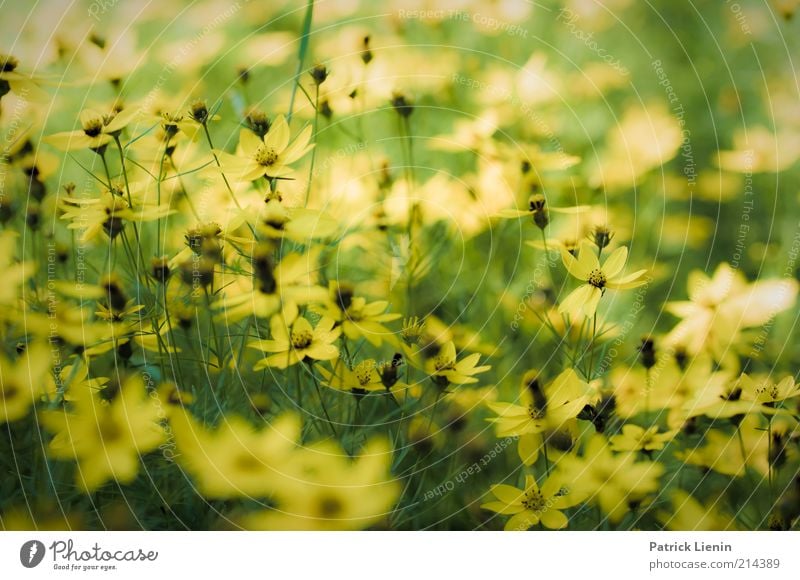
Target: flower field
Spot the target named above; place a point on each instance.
(413, 265)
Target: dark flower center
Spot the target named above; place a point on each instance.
(597, 278)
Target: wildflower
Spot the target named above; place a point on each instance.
(273, 287)
(97, 130)
(586, 267)
(361, 379)
(24, 382)
(357, 317)
(688, 513)
(445, 369)
(268, 156)
(236, 459)
(720, 307)
(296, 341)
(533, 504)
(412, 331)
(612, 481)
(298, 224)
(106, 437)
(13, 81)
(635, 438)
(732, 454)
(542, 408)
(109, 214)
(766, 392)
(333, 491)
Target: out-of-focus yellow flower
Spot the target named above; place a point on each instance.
(721, 306)
(542, 409)
(106, 438)
(109, 214)
(583, 300)
(271, 288)
(333, 491)
(612, 481)
(533, 504)
(758, 150)
(23, 382)
(235, 459)
(636, 438)
(689, 514)
(732, 453)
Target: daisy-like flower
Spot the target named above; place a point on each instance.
(235, 459)
(765, 391)
(97, 130)
(13, 81)
(586, 267)
(296, 341)
(269, 156)
(611, 481)
(689, 514)
(446, 369)
(361, 379)
(22, 383)
(357, 317)
(533, 504)
(635, 438)
(106, 438)
(273, 287)
(542, 408)
(109, 214)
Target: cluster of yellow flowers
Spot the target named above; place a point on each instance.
(215, 317)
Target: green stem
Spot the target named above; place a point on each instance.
(301, 55)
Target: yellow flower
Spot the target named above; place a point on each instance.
(273, 288)
(269, 156)
(357, 317)
(109, 214)
(446, 369)
(584, 299)
(24, 382)
(689, 514)
(97, 130)
(727, 453)
(532, 505)
(14, 273)
(721, 306)
(236, 459)
(332, 491)
(295, 341)
(635, 438)
(362, 378)
(542, 409)
(107, 438)
(613, 482)
(298, 224)
(13, 81)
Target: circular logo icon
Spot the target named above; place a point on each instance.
(31, 553)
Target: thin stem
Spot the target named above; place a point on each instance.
(316, 138)
(301, 55)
